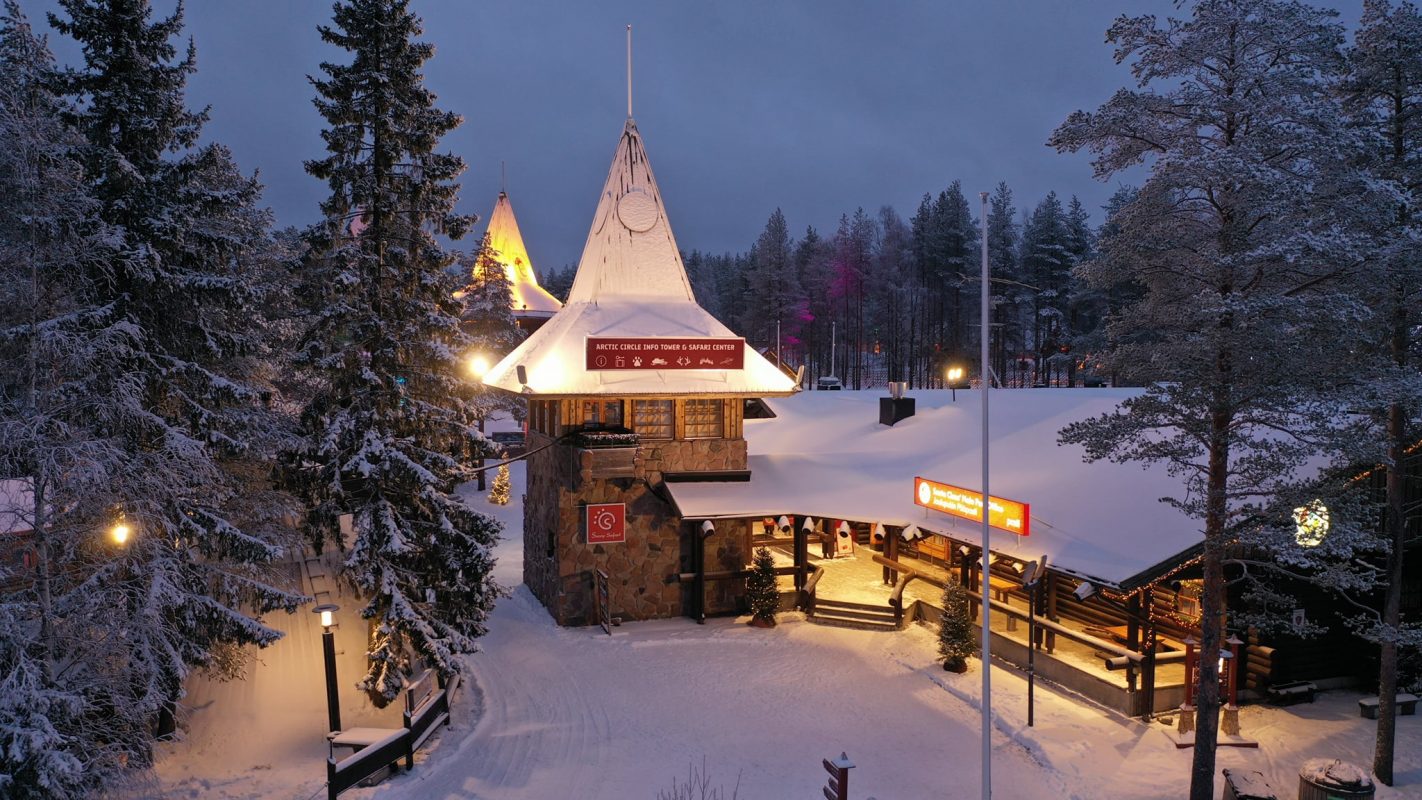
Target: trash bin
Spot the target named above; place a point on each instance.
(1331, 779)
(1241, 785)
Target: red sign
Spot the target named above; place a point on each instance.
(1007, 515)
(665, 352)
(607, 523)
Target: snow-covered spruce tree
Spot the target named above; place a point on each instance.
(488, 323)
(168, 311)
(955, 628)
(1383, 88)
(774, 287)
(1234, 333)
(499, 494)
(50, 459)
(762, 591)
(386, 440)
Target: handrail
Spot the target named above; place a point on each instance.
(807, 595)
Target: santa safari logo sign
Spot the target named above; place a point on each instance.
(607, 523)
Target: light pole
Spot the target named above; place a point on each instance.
(328, 647)
(478, 366)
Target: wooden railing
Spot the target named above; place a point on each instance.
(421, 720)
(807, 595)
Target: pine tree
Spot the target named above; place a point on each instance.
(1383, 88)
(775, 295)
(1234, 330)
(955, 628)
(499, 494)
(184, 428)
(762, 593)
(1008, 293)
(386, 439)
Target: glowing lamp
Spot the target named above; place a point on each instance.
(478, 365)
(1311, 523)
(955, 374)
(120, 533)
(327, 611)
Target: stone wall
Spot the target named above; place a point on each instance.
(641, 583)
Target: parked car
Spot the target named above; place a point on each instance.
(511, 442)
(828, 383)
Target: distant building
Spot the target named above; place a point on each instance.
(532, 304)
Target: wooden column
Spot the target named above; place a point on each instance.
(1148, 642)
(1052, 610)
(802, 556)
(891, 552)
(1133, 637)
(698, 563)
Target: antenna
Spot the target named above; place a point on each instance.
(629, 72)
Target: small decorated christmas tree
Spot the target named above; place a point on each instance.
(761, 591)
(499, 495)
(955, 629)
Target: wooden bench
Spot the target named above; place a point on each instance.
(1000, 587)
(1287, 694)
(1406, 706)
(1247, 786)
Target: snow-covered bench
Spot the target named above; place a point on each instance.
(375, 749)
(1286, 694)
(1406, 706)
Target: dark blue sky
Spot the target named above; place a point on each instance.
(818, 106)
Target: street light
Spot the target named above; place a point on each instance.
(955, 377)
(478, 365)
(120, 533)
(328, 648)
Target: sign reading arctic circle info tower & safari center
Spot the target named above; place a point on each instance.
(665, 352)
(1007, 515)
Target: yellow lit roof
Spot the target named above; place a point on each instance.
(529, 299)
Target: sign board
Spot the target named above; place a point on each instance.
(665, 352)
(607, 523)
(1007, 515)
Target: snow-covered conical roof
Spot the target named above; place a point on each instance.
(630, 283)
(529, 299)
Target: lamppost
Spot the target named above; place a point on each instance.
(328, 647)
(478, 366)
(955, 377)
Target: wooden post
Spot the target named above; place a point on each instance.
(698, 564)
(838, 769)
(1133, 637)
(1052, 611)
(891, 552)
(802, 555)
(1148, 642)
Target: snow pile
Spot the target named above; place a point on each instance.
(1332, 773)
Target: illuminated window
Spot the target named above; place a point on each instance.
(705, 419)
(654, 419)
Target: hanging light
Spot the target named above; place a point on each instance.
(783, 524)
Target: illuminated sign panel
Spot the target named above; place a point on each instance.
(665, 352)
(1007, 515)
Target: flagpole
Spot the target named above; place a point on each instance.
(985, 383)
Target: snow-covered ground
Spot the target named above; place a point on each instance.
(573, 713)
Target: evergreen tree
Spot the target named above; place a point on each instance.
(1008, 293)
(762, 593)
(488, 323)
(184, 426)
(1046, 265)
(51, 460)
(558, 282)
(386, 441)
(955, 628)
(499, 494)
(813, 259)
(775, 295)
(1233, 330)
(1383, 88)
(890, 293)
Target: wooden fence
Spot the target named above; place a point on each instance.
(421, 718)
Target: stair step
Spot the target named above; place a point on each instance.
(825, 602)
(871, 615)
(850, 622)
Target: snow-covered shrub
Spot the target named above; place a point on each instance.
(762, 593)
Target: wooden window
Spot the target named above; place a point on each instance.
(654, 419)
(705, 419)
(602, 413)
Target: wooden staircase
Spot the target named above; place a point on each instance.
(844, 614)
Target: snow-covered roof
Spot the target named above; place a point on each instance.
(827, 456)
(16, 505)
(529, 299)
(630, 283)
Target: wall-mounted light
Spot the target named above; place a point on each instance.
(478, 365)
(1084, 591)
(783, 524)
(911, 533)
(708, 528)
(808, 525)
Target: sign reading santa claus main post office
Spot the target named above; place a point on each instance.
(607, 523)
